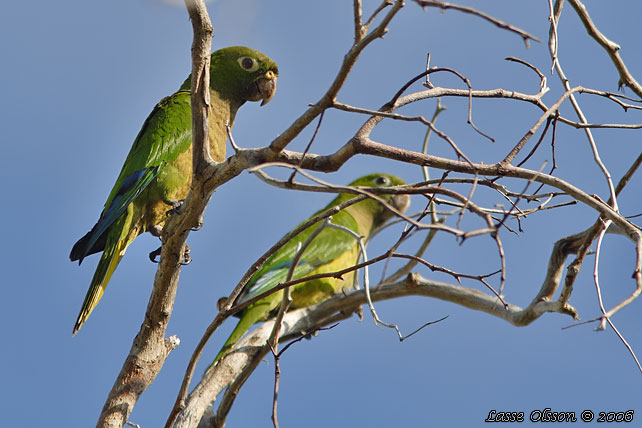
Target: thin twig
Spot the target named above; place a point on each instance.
(587, 131)
(358, 26)
(456, 275)
(612, 48)
(553, 39)
(424, 148)
(542, 82)
(228, 309)
(606, 317)
(350, 58)
(384, 4)
(231, 138)
(366, 280)
(307, 148)
(443, 5)
(412, 333)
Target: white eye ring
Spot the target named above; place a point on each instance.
(382, 180)
(248, 64)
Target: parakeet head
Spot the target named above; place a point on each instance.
(378, 212)
(242, 74)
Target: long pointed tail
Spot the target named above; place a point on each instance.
(106, 266)
(253, 315)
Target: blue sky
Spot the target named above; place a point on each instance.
(80, 79)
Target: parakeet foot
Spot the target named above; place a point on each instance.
(154, 254)
(308, 336)
(187, 259)
(198, 224)
(220, 303)
(359, 312)
(177, 206)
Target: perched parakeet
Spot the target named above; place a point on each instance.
(157, 173)
(332, 250)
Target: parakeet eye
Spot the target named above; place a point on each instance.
(382, 180)
(248, 64)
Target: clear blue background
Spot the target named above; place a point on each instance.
(79, 79)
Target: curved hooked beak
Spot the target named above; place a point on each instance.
(263, 88)
(401, 202)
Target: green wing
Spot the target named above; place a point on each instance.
(326, 248)
(165, 134)
(95, 240)
(332, 250)
(329, 245)
(158, 167)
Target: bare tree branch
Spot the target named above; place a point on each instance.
(443, 5)
(150, 348)
(348, 62)
(587, 131)
(611, 48)
(300, 322)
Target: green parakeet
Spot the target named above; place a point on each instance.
(331, 250)
(157, 173)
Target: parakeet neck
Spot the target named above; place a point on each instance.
(222, 113)
(363, 213)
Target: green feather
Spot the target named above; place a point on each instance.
(158, 168)
(331, 250)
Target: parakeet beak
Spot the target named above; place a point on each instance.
(401, 202)
(266, 87)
